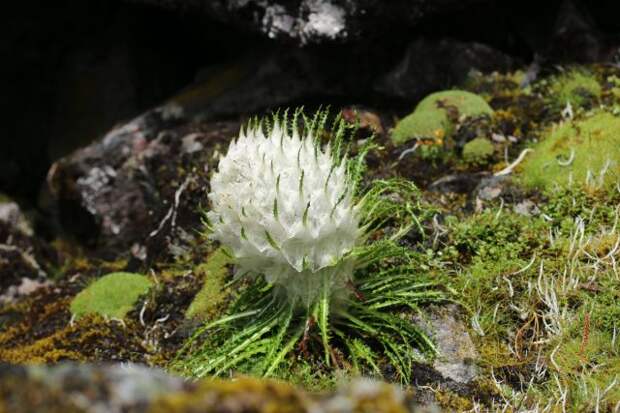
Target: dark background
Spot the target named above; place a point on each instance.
(75, 68)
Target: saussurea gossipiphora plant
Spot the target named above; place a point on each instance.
(320, 256)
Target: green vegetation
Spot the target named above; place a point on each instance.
(478, 151)
(540, 293)
(579, 88)
(437, 114)
(112, 296)
(584, 151)
(543, 295)
(360, 326)
(213, 291)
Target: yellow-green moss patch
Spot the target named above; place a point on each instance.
(580, 152)
(436, 115)
(113, 295)
(478, 151)
(212, 292)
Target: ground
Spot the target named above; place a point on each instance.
(527, 251)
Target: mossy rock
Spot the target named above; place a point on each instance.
(579, 88)
(478, 151)
(436, 115)
(580, 151)
(112, 296)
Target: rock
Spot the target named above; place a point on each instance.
(316, 21)
(11, 214)
(494, 190)
(23, 257)
(83, 388)
(127, 388)
(73, 71)
(527, 207)
(455, 366)
(26, 286)
(429, 65)
(575, 37)
(462, 183)
(491, 188)
(457, 352)
(139, 186)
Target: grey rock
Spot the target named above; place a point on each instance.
(491, 188)
(11, 214)
(457, 352)
(130, 388)
(455, 367)
(136, 188)
(113, 388)
(527, 207)
(22, 254)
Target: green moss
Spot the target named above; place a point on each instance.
(583, 151)
(543, 290)
(436, 115)
(577, 87)
(307, 376)
(478, 151)
(113, 295)
(212, 294)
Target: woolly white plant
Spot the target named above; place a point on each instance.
(284, 207)
(289, 212)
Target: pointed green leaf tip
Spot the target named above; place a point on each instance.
(434, 116)
(112, 296)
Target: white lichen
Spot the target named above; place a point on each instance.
(284, 207)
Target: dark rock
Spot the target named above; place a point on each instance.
(315, 21)
(72, 71)
(575, 38)
(462, 183)
(429, 65)
(140, 187)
